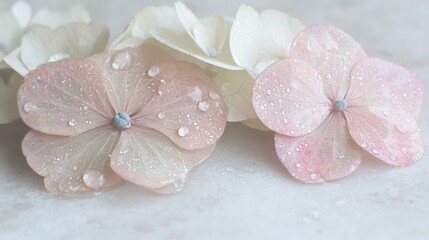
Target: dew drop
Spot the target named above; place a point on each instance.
(153, 71)
(122, 61)
(314, 176)
(289, 153)
(214, 96)
(161, 115)
(183, 131)
(28, 107)
(269, 92)
(298, 165)
(375, 151)
(58, 56)
(287, 89)
(342, 155)
(94, 179)
(72, 122)
(204, 106)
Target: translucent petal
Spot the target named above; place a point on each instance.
(65, 98)
(332, 53)
(76, 40)
(10, 34)
(8, 88)
(257, 41)
(22, 12)
(54, 19)
(132, 76)
(188, 108)
(72, 164)
(149, 159)
(381, 120)
(375, 78)
(288, 98)
(326, 154)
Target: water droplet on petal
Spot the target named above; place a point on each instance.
(287, 89)
(58, 56)
(375, 151)
(94, 179)
(183, 131)
(298, 165)
(161, 115)
(204, 106)
(314, 176)
(73, 122)
(269, 92)
(153, 71)
(28, 107)
(122, 61)
(214, 95)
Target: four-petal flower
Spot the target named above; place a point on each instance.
(327, 102)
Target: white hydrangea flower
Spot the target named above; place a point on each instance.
(14, 20)
(206, 42)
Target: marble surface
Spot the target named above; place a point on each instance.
(242, 191)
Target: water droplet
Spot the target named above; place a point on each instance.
(375, 151)
(183, 131)
(153, 71)
(287, 89)
(73, 122)
(342, 155)
(122, 61)
(269, 92)
(204, 106)
(58, 56)
(212, 52)
(161, 115)
(28, 107)
(214, 95)
(298, 165)
(94, 179)
(289, 153)
(314, 176)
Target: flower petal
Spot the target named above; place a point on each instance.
(22, 12)
(8, 89)
(11, 32)
(332, 53)
(54, 19)
(72, 164)
(288, 98)
(188, 109)
(376, 78)
(64, 98)
(271, 34)
(77, 40)
(326, 154)
(382, 108)
(149, 159)
(133, 75)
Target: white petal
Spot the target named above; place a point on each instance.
(8, 105)
(257, 41)
(14, 61)
(54, 19)
(42, 44)
(22, 12)
(10, 33)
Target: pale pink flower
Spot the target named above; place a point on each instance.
(133, 114)
(328, 102)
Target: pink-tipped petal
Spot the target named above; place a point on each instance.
(382, 108)
(332, 53)
(188, 109)
(147, 158)
(326, 154)
(64, 98)
(288, 97)
(377, 77)
(72, 164)
(133, 75)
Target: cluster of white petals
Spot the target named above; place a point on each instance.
(28, 41)
(233, 51)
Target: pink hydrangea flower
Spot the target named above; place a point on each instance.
(328, 102)
(133, 114)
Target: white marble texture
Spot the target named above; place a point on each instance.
(242, 191)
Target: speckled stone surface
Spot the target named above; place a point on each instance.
(242, 191)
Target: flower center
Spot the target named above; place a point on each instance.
(122, 120)
(340, 105)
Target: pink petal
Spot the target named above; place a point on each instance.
(133, 75)
(326, 154)
(377, 77)
(64, 98)
(147, 158)
(72, 164)
(188, 108)
(288, 98)
(389, 135)
(332, 53)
